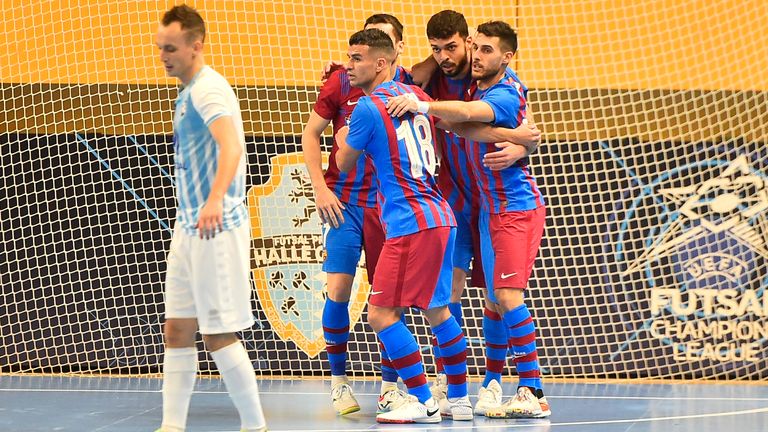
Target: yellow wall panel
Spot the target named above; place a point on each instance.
(668, 44)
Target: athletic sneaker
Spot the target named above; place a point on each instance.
(391, 400)
(523, 405)
(457, 409)
(440, 388)
(412, 411)
(344, 401)
(488, 398)
(545, 409)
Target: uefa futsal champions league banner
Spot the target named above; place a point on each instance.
(654, 263)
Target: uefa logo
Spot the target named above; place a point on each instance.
(693, 248)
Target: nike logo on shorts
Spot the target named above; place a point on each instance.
(507, 275)
(350, 103)
(376, 292)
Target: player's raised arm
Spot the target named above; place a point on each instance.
(328, 205)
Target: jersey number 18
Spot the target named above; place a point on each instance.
(418, 143)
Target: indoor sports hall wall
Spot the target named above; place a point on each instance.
(654, 166)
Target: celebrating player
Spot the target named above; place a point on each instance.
(512, 207)
(414, 268)
(346, 203)
(448, 35)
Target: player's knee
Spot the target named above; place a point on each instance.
(340, 286)
(380, 318)
(180, 333)
(216, 342)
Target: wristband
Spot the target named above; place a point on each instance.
(422, 107)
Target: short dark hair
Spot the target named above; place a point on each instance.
(190, 20)
(387, 19)
(374, 38)
(447, 23)
(506, 34)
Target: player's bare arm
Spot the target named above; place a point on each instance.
(346, 156)
(422, 72)
(448, 110)
(328, 205)
(511, 152)
(212, 214)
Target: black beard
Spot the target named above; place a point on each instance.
(459, 67)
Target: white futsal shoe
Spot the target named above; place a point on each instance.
(413, 411)
(457, 409)
(439, 389)
(391, 400)
(488, 398)
(344, 401)
(523, 405)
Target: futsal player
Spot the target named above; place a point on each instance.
(414, 268)
(448, 35)
(346, 203)
(512, 207)
(207, 286)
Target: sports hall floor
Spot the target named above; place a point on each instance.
(42, 403)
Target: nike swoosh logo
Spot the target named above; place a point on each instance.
(431, 413)
(351, 103)
(505, 276)
(376, 292)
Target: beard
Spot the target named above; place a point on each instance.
(484, 73)
(458, 67)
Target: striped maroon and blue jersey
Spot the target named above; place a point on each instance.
(336, 101)
(455, 177)
(513, 188)
(403, 156)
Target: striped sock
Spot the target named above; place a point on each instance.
(455, 309)
(453, 346)
(388, 372)
(439, 367)
(406, 359)
(336, 332)
(522, 339)
(495, 334)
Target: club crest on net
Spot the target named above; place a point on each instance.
(287, 256)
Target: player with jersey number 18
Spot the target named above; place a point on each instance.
(414, 268)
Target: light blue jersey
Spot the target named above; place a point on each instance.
(207, 97)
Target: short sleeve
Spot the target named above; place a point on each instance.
(211, 101)
(506, 103)
(328, 101)
(361, 125)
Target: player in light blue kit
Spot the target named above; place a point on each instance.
(207, 284)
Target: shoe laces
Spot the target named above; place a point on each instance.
(338, 390)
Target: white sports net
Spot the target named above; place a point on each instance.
(654, 168)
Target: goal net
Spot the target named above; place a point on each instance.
(654, 166)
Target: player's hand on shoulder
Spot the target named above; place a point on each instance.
(329, 208)
(211, 219)
(330, 68)
(505, 157)
(402, 104)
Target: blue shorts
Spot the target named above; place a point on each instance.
(361, 230)
(466, 253)
(464, 249)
